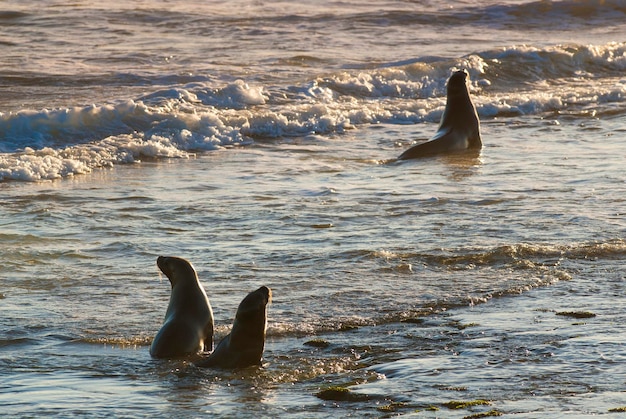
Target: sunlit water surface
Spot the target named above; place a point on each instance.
(268, 158)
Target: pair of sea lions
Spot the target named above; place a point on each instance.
(188, 326)
(459, 129)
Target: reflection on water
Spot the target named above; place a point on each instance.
(384, 288)
(259, 142)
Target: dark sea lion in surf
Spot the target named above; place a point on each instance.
(459, 129)
(188, 325)
(243, 347)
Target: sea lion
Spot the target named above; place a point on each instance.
(188, 325)
(243, 347)
(459, 128)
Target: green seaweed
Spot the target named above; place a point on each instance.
(490, 413)
(453, 388)
(347, 327)
(340, 394)
(318, 343)
(391, 407)
(544, 310)
(461, 326)
(618, 409)
(457, 404)
(322, 225)
(576, 314)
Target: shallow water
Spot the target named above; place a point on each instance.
(266, 158)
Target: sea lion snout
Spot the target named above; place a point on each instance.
(164, 265)
(161, 261)
(267, 293)
(461, 75)
(176, 268)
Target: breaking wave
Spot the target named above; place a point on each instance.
(198, 116)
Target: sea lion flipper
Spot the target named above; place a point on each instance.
(425, 149)
(441, 132)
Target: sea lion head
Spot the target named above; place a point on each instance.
(248, 333)
(254, 303)
(176, 268)
(458, 84)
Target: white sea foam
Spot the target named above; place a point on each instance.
(201, 116)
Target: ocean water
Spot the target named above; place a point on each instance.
(258, 140)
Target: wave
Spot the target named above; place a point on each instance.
(519, 254)
(505, 271)
(552, 15)
(544, 15)
(199, 116)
